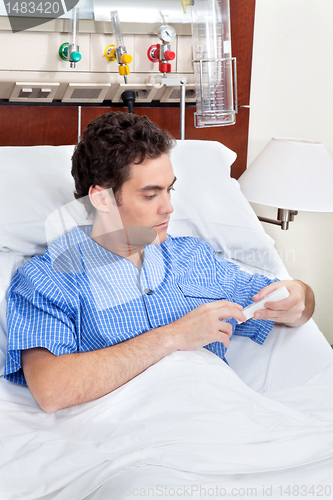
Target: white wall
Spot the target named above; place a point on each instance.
(292, 96)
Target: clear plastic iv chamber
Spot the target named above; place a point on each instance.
(214, 67)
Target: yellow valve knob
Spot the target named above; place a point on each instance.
(185, 3)
(124, 70)
(110, 53)
(126, 58)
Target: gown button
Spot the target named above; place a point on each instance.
(148, 291)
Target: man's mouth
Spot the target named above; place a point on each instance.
(163, 224)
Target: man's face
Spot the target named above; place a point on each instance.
(145, 196)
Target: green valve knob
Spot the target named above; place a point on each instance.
(75, 56)
(63, 51)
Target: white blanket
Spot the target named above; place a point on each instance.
(187, 418)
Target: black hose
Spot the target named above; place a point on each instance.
(128, 98)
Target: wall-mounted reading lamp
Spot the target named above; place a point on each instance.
(293, 175)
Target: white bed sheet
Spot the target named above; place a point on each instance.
(289, 357)
(187, 418)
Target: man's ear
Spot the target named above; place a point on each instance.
(99, 198)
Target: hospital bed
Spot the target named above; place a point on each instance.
(190, 425)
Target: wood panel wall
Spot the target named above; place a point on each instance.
(23, 125)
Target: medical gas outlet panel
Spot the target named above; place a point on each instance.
(92, 72)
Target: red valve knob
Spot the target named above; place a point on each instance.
(153, 53)
(169, 55)
(165, 67)
(156, 54)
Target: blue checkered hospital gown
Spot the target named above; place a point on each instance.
(80, 297)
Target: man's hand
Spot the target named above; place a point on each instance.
(203, 325)
(295, 310)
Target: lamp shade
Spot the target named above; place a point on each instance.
(292, 174)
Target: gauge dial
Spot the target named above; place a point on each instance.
(166, 33)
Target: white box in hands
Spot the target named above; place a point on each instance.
(279, 294)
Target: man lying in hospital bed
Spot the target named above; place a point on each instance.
(82, 321)
(187, 420)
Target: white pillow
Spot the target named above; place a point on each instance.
(209, 204)
(34, 181)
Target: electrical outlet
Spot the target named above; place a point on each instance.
(82, 92)
(172, 94)
(33, 92)
(144, 92)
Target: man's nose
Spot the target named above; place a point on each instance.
(166, 207)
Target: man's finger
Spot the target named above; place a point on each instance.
(267, 290)
(225, 338)
(231, 312)
(270, 316)
(281, 305)
(225, 328)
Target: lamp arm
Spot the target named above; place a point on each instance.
(283, 218)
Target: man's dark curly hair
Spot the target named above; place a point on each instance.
(110, 145)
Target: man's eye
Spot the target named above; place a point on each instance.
(150, 197)
(171, 189)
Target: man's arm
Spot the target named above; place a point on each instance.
(296, 310)
(70, 379)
